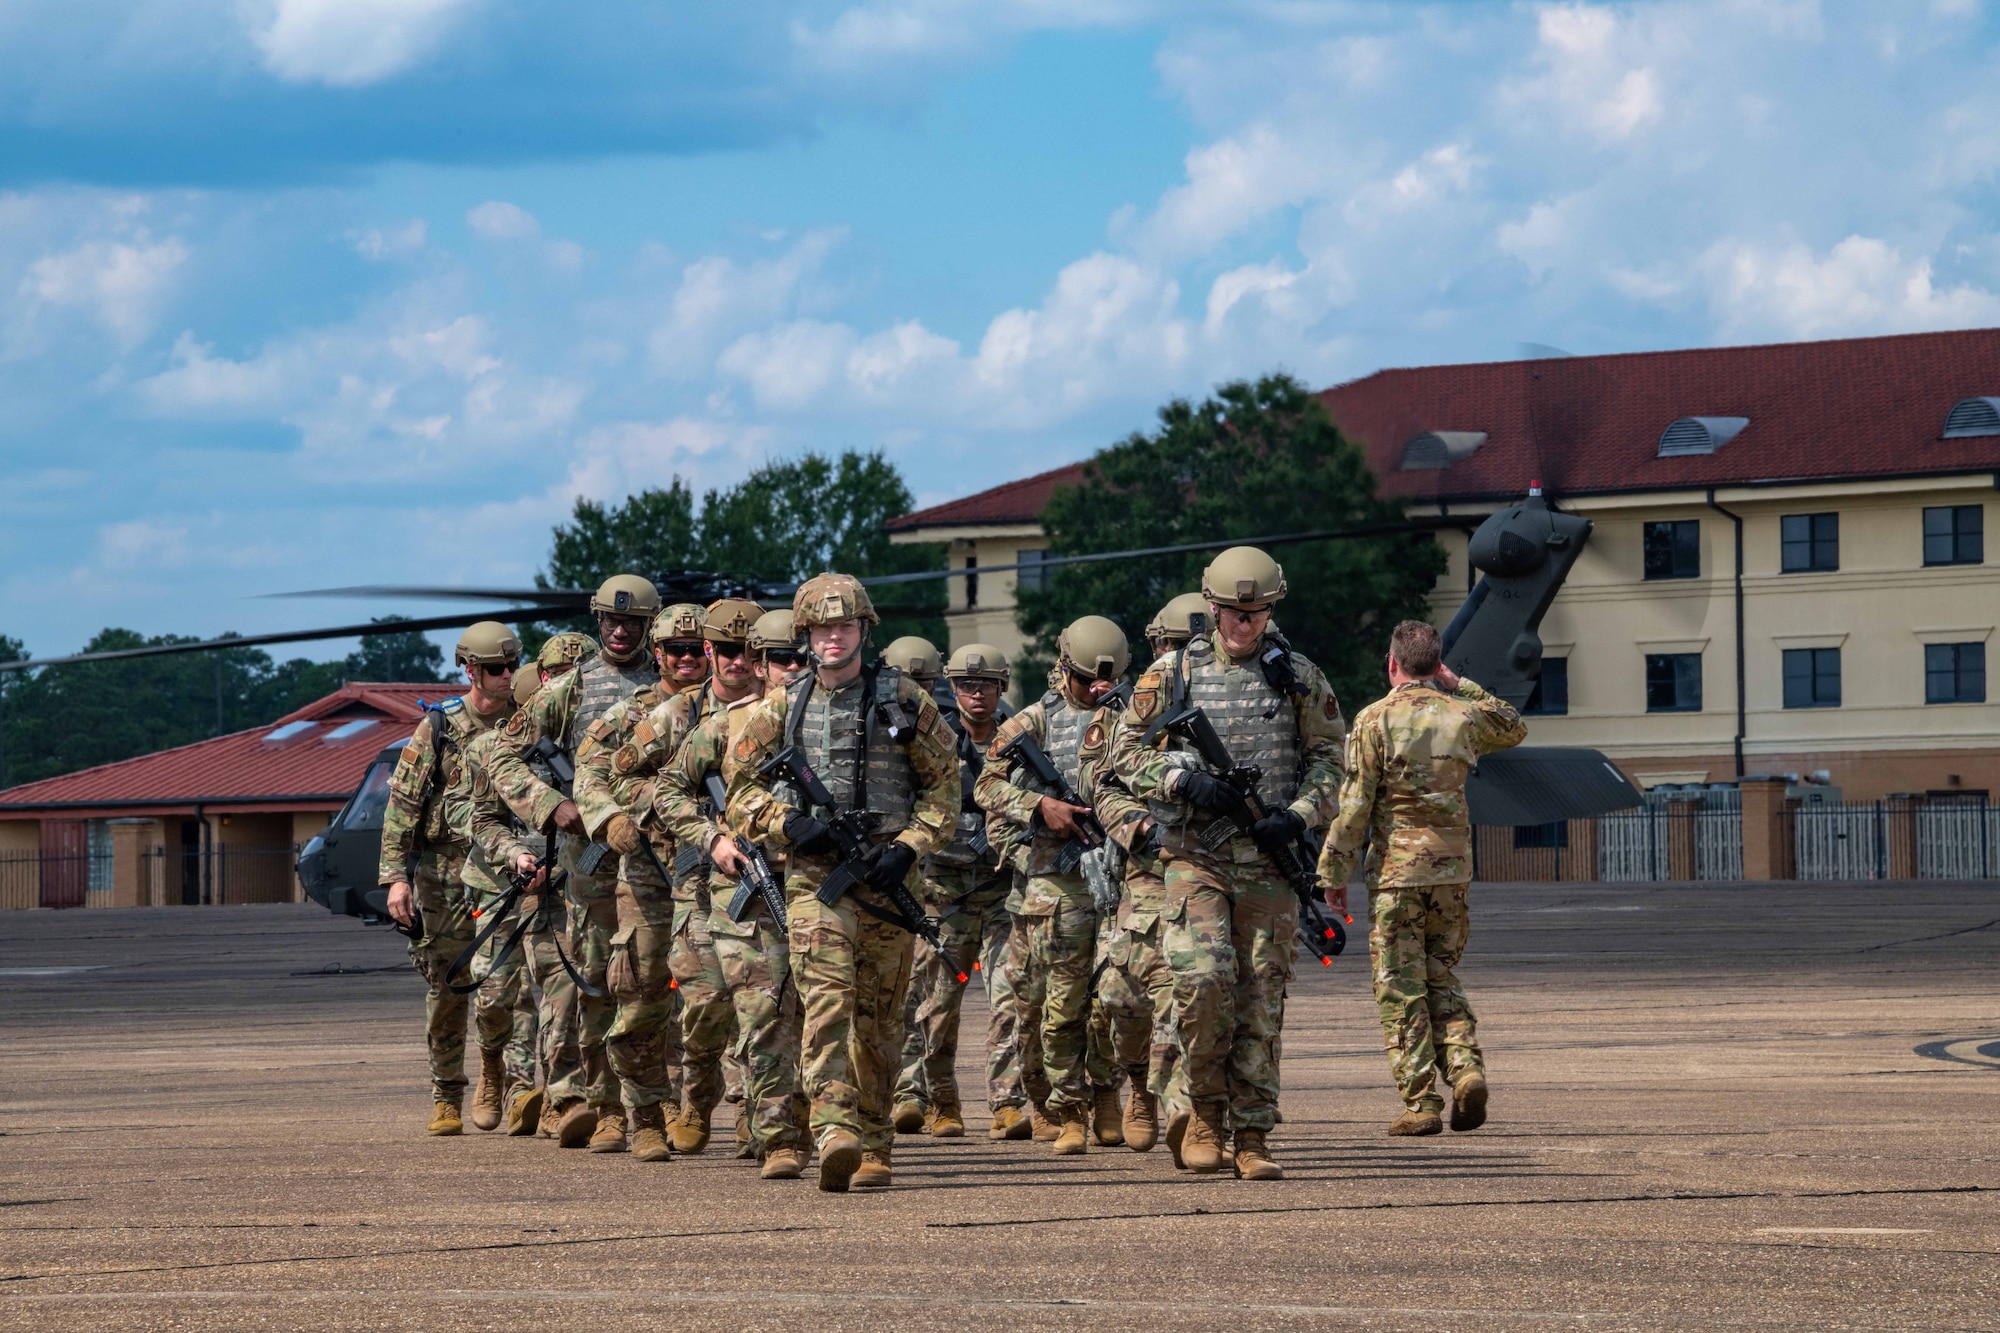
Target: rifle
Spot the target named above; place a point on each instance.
(517, 886)
(1024, 752)
(756, 881)
(1293, 859)
(851, 836)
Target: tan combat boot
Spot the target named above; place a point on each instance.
(783, 1164)
(1414, 1123)
(945, 1121)
(1075, 1128)
(649, 1134)
(1201, 1148)
(746, 1145)
(524, 1108)
(574, 1123)
(908, 1117)
(839, 1157)
(445, 1120)
(873, 1173)
(1009, 1123)
(489, 1097)
(1468, 1101)
(1044, 1127)
(609, 1136)
(1177, 1129)
(1253, 1158)
(691, 1129)
(1142, 1116)
(1105, 1117)
(551, 1117)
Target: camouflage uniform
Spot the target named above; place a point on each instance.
(420, 846)
(563, 711)
(1231, 919)
(1407, 761)
(486, 878)
(852, 970)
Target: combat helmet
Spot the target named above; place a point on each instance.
(917, 656)
(525, 685)
(730, 620)
(978, 661)
(487, 643)
(1170, 623)
(1243, 576)
(565, 650)
(828, 599)
(1094, 648)
(626, 595)
(682, 620)
(772, 630)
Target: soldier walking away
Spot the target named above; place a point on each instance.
(1231, 916)
(422, 863)
(883, 759)
(1404, 796)
(1053, 946)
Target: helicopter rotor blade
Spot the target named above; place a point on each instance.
(376, 590)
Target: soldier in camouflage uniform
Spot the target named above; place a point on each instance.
(589, 1106)
(1231, 918)
(1053, 946)
(422, 858)
(917, 658)
(1404, 793)
(967, 888)
(877, 742)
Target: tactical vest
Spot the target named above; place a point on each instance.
(451, 731)
(845, 736)
(1257, 722)
(1062, 738)
(600, 684)
(960, 853)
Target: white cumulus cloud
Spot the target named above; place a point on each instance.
(351, 43)
(1862, 285)
(120, 283)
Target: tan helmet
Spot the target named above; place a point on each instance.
(525, 685)
(1243, 576)
(977, 661)
(1095, 647)
(917, 656)
(488, 643)
(772, 630)
(730, 620)
(1170, 623)
(828, 599)
(626, 595)
(564, 650)
(682, 620)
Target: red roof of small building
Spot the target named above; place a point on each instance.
(1016, 502)
(279, 766)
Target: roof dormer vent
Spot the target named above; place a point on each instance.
(1436, 449)
(1699, 435)
(1972, 416)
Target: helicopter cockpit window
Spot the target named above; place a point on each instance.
(366, 809)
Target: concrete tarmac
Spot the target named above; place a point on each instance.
(1714, 1106)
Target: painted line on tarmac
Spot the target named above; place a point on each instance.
(1843, 1231)
(1922, 939)
(1979, 1052)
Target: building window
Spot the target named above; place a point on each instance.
(1954, 673)
(1550, 697)
(1955, 535)
(1031, 577)
(1811, 542)
(1542, 835)
(1812, 677)
(1673, 682)
(1673, 549)
(972, 582)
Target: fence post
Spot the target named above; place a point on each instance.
(1763, 800)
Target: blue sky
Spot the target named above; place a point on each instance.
(308, 292)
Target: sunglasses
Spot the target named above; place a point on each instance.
(503, 669)
(784, 657)
(681, 648)
(730, 651)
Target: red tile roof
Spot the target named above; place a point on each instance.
(244, 771)
(1852, 408)
(1016, 502)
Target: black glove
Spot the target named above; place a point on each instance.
(889, 864)
(1205, 791)
(1277, 829)
(807, 835)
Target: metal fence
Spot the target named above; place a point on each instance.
(1958, 840)
(39, 879)
(1672, 836)
(215, 876)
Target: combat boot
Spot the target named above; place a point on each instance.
(524, 1108)
(945, 1121)
(1142, 1116)
(908, 1118)
(574, 1123)
(1253, 1158)
(551, 1117)
(1105, 1115)
(445, 1120)
(1009, 1123)
(873, 1173)
(1177, 1133)
(1201, 1147)
(691, 1129)
(488, 1098)
(1414, 1123)
(783, 1164)
(649, 1134)
(839, 1156)
(746, 1146)
(1468, 1101)
(1075, 1127)
(1045, 1130)
(609, 1136)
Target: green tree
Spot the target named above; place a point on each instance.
(1252, 460)
(408, 656)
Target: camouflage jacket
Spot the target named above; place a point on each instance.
(432, 763)
(680, 802)
(1121, 813)
(480, 819)
(548, 713)
(615, 774)
(1010, 806)
(756, 811)
(1407, 762)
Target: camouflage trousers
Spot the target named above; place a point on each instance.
(975, 931)
(504, 996)
(1416, 935)
(593, 922)
(756, 966)
(1230, 936)
(1136, 994)
(1052, 954)
(556, 1021)
(447, 932)
(853, 973)
(643, 1043)
(707, 1019)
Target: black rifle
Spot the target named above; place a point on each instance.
(1294, 859)
(1024, 752)
(852, 838)
(517, 886)
(756, 881)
